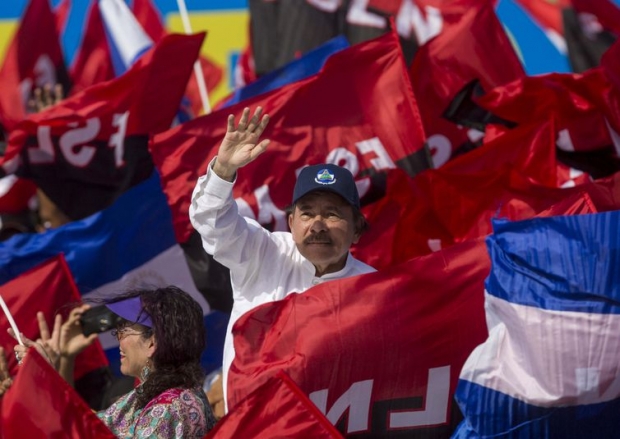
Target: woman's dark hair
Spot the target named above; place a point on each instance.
(180, 335)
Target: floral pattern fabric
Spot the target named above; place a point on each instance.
(176, 413)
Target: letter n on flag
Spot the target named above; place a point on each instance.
(42, 404)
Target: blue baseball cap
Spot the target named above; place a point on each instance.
(131, 310)
(327, 177)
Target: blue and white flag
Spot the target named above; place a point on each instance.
(550, 367)
(130, 244)
(127, 40)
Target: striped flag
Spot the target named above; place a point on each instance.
(549, 368)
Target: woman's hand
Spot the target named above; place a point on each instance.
(50, 342)
(72, 340)
(22, 350)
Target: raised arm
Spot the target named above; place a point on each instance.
(240, 145)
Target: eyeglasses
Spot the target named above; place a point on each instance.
(123, 332)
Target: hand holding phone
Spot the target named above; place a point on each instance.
(98, 319)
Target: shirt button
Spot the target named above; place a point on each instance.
(316, 281)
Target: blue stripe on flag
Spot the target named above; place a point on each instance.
(103, 247)
(494, 414)
(549, 368)
(564, 263)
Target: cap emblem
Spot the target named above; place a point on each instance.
(325, 177)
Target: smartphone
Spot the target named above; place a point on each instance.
(98, 319)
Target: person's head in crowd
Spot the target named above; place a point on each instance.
(161, 336)
(324, 217)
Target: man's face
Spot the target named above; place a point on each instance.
(323, 228)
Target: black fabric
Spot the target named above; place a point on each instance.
(462, 110)
(211, 278)
(284, 30)
(82, 191)
(94, 386)
(599, 163)
(584, 51)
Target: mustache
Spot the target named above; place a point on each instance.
(321, 238)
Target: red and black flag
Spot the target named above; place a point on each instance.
(590, 28)
(472, 45)
(89, 148)
(587, 119)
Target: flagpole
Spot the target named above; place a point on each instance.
(9, 317)
(200, 79)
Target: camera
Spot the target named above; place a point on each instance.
(98, 319)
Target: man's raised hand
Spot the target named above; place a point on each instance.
(240, 145)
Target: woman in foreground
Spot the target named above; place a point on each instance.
(161, 338)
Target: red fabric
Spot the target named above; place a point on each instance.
(365, 96)
(33, 58)
(580, 103)
(48, 288)
(610, 65)
(447, 205)
(15, 194)
(149, 91)
(62, 15)
(605, 11)
(472, 45)
(398, 328)
(276, 410)
(97, 139)
(92, 63)
(147, 15)
(41, 404)
(512, 177)
(387, 7)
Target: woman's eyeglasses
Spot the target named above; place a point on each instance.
(124, 332)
